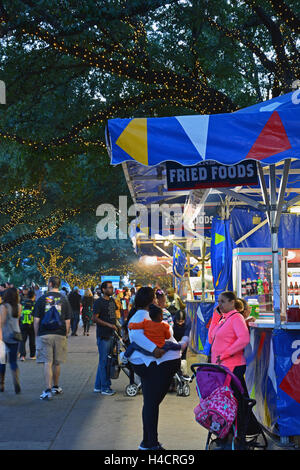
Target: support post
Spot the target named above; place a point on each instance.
(275, 214)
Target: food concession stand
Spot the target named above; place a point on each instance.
(267, 133)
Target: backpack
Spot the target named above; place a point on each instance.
(51, 320)
(218, 412)
(27, 315)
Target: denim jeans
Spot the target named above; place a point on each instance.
(12, 349)
(102, 380)
(74, 321)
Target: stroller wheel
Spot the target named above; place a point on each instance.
(179, 390)
(186, 390)
(131, 390)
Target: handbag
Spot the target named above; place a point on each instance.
(2, 352)
(17, 336)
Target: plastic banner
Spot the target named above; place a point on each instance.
(200, 315)
(260, 377)
(244, 220)
(287, 369)
(179, 261)
(221, 255)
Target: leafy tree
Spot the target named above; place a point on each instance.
(69, 66)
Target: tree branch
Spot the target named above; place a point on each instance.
(286, 14)
(47, 228)
(239, 36)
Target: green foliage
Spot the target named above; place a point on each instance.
(69, 66)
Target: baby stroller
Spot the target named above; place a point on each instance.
(135, 383)
(181, 383)
(113, 366)
(211, 380)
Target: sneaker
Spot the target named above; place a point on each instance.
(22, 358)
(107, 391)
(97, 390)
(142, 446)
(159, 447)
(46, 395)
(33, 358)
(56, 390)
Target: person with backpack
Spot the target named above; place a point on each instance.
(52, 315)
(10, 312)
(26, 326)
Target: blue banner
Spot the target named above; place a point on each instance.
(200, 315)
(287, 370)
(221, 255)
(179, 261)
(244, 220)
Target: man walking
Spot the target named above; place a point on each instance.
(52, 315)
(75, 302)
(104, 315)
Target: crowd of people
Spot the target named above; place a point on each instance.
(153, 324)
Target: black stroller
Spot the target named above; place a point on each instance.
(135, 385)
(208, 378)
(112, 365)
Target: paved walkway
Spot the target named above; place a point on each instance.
(80, 419)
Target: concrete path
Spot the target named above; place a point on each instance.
(80, 419)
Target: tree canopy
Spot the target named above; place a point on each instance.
(70, 65)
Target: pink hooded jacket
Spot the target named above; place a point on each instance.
(229, 337)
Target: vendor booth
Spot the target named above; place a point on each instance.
(256, 255)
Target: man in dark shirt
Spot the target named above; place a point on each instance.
(104, 315)
(51, 340)
(26, 326)
(75, 301)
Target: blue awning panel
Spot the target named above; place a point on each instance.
(267, 132)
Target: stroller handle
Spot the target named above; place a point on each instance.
(225, 370)
(207, 364)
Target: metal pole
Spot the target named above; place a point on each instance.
(275, 214)
(203, 270)
(274, 246)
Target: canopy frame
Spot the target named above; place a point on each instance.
(273, 207)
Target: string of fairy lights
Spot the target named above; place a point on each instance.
(46, 227)
(183, 86)
(182, 89)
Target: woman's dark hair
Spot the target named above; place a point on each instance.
(180, 315)
(11, 297)
(155, 312)
(143, 298)
(229, 295)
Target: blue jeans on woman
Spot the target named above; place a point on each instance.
(103, 382)
(12, 349)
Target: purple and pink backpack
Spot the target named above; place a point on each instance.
(217, 410)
